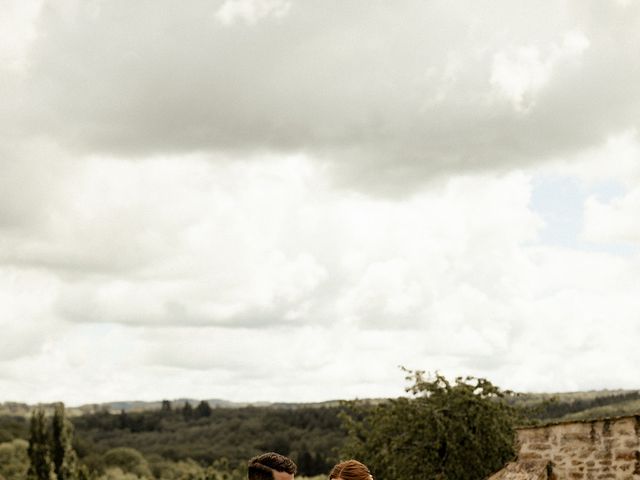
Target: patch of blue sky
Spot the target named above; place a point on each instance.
(559, 200)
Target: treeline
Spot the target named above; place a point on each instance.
(177, 442)
(311, 436)
(184, 441)
(555, 407)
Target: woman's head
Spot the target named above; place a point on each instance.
(350, 470)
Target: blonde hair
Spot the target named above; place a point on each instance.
(350, 470)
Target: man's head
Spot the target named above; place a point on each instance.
(271, 466)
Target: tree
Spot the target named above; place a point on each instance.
(203, 409)
(183, 470)
(123, 420)
(221, 469)
(454, 431)
(115, 473)
(187, 411)
(63, 456)
(129, 460)
(51, 455)
(14, 459)
(165, 406)
(40, 465)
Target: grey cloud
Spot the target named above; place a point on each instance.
(241, 351)
(143, 304)
(75, 250)
(223, 352)
(28, 180)
(22, 338)
(212, 356)
(16, 344)
(398, 91)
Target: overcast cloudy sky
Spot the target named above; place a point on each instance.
(286, 199)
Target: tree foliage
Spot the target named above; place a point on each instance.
(14, 459)
(40, 464)
(309, 435)
(203, 409)
(129, 460)
(455, 431)
(50, 451)
(64, 459)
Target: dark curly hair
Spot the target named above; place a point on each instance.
(262, 466)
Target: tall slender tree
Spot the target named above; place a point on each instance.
(165, 406)
(41, 467)
(63, 456)
(187, 411)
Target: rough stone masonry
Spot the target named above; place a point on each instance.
(588, 450)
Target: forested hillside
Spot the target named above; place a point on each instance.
(309, 435)
(580, 405)
(181, 433)
(178, 439)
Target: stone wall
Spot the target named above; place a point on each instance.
(591, 450)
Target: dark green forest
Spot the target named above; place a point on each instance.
(183, 435)
(185, 441)
(309, 435)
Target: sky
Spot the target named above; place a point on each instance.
(286, 200)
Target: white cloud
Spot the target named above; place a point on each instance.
(607, 175)
(235, 258)
(251, 11)
(267, 242)
(17, 32)
(584, 308)
(192, 199)
(389, 107)
(615, 159)
(614, 221)
(222, 273)
(27, 318)
(519, 73)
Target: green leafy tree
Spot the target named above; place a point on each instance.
(129, 460)
(454, 431)
(187, 411)
(123, 420)
(40, 465)
(165, 407)
(203, 409)
(50, 453)
(14, 459)
(65, 464)
(115, 473)
(221, 469)
(182, 470)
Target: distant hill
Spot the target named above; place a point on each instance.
(572, 396)
(552, 406)
(311, 433)
(130, 406)
(581, 405)
(24, 409)
(142, 406)
(231, 435)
